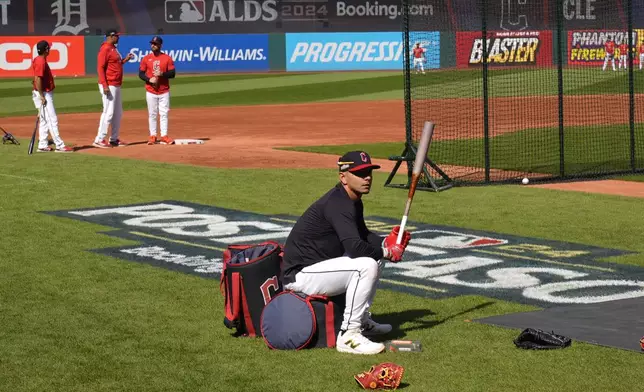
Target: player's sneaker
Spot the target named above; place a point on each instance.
(65, 149)
(372, 328)
(117, 143)
(353, 342)
(101, 144)
(166, 140)
(45, 149)
(152, 140)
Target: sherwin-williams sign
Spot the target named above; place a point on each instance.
(203, 53)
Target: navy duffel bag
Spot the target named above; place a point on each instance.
(294, 321)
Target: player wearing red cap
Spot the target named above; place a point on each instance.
(156, 70)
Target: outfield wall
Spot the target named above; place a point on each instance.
(167, 17)
(295, 52)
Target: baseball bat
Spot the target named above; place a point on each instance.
(192, 3)
(421, 154)
(33, 136)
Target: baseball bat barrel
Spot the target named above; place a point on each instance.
(33, 136)
(421, 155)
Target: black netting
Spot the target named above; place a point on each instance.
(541, 100)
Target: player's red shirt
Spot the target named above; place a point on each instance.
(40, 68)
(610, 47)
(110, 66)
(161, 62)
(418, 52)
(623, 49)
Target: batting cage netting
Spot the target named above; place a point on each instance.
(553, 95)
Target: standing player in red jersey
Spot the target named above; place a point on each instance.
(419, 58)
(623, 55)
(156, 70)
(110, 78)
(609, 48)
(641, 51)
(43, 97)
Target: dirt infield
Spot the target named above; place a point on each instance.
(247, 136)
(241, 137)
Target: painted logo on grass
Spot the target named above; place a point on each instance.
(439, 261)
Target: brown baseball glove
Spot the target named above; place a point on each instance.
(386, 375)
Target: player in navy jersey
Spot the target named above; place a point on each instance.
(330, 251)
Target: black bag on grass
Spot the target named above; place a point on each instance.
(249, 279)
(536, 339)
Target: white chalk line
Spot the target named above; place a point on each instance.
(23, 178)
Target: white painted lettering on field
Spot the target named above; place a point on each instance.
(150, 209)
(185, 221)
(453, 240)
(423, 251)
(201, 263)
(510, 278)
(424, 269)
(167, 221)
(178, 220)
(547, 292)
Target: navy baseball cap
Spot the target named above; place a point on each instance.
(112, 33)
(156, 40)
(354, 161)
(42, 46)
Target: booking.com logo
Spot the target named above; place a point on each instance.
(391, 11)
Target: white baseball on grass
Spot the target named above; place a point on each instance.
(525, 181)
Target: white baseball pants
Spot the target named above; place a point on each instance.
(158, 104)
(418, 62)
(48, 120)
(641, 60)
(111, 115)
(623, 61)
(608, 58)
(357, 278)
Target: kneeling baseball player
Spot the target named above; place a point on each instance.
(330, 251)
(156, 70)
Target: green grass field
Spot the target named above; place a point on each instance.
(75, 320)
(80, 94)
(587, 149)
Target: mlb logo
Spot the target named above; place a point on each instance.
(185, 11)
